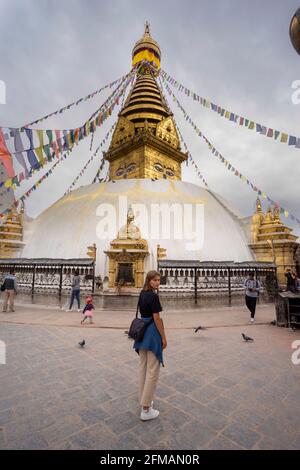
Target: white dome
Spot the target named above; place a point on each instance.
(95, 213)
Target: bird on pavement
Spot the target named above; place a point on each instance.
(247, 338)
(82, 343)
(199, 328)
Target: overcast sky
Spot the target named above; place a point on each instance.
(236, 53)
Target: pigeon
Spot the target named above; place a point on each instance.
(247, 338)
(199, 328)
(82, 343)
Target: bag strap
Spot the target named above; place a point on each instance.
(137, 307)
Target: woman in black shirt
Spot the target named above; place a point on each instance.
(151, 347)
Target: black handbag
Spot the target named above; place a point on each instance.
(138, 327)
(2, 288)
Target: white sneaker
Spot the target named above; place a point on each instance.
(252, 320)
(150, 414)
(78, 310)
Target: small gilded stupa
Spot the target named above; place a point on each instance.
(272, 240)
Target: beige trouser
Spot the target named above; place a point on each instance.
(9, 297)
(148, 376)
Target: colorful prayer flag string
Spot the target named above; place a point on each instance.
(269, 132)
(226, 163)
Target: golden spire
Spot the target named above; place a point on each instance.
(146, 49)
(145, 142)
(145, 102)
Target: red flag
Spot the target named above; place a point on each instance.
(5, 156)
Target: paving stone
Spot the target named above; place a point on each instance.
(95, 437)
(121, 422)
(206, 393)
(62, 428)
(191, 436)
(242, 435)
(221, 443)
(223, 405)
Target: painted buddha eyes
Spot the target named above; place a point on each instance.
(131, 167)
(120, 171)
(123, 171)
(158, 167)
(166, 171)
(169, 172)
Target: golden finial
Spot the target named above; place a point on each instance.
(269, 215)
(147, 28)
(276, 214)
(130, 215)
(258, 205)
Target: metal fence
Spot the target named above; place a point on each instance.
(49, 275)
(224, 278)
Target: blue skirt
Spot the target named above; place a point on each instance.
(151, 341)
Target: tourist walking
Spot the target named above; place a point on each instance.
(150, 348)
(252, 288)
(75, 290)
(88, 309)
(10, 289)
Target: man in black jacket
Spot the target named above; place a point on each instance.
(290, 280)
(10, 291)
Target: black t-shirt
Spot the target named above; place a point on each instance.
(149, 303)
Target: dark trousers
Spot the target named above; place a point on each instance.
(75, 293)
(251, 304)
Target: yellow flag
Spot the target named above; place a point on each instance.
(227, 114)
(264, 195)
(284, 137)
(39, 150)
(286, 214)
(8, 183)
(251, 125)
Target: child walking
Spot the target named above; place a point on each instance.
(88, 310)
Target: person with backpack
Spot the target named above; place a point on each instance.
(9, 287)
(252, 287)
(150, 347)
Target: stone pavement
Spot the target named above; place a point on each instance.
(215, 392)
(221, 316)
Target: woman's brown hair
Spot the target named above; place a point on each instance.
(150, 275)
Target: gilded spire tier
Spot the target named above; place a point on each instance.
(145, 142)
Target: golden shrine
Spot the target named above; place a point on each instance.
(271, 240)
(11, 235)
(126, 256)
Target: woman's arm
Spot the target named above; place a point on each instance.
(160, 326)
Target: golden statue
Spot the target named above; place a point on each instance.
(129, 230)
